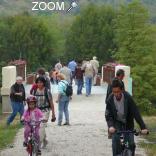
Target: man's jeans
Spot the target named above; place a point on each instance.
(63, 108)
(116, 146)
(88, 81)
(17, 107)
(79, 86)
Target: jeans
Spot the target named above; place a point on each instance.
(79, 86)
(88, 81)
(116, 146)
(17, 107)
(63, 108)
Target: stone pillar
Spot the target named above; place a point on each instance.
(8, 79)
(127, 79)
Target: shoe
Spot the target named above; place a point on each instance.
(24, 144)
(59, 124)
(45, 142)
(8, 124)
(22, 122)
(66, 124)
(39, 152)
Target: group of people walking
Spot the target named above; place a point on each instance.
(78, 72)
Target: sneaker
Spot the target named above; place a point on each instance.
(45, 142)
(66, 124)
(7, 124)
(59, 124)
(24, 144)
(22, 122)
(39, 152)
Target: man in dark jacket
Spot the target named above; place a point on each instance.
(17, 97)
(121, 111)
(120, 74)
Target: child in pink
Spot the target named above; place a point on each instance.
(30, 116)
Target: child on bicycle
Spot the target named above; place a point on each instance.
(31, 116)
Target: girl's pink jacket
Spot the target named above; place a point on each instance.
(37, 113)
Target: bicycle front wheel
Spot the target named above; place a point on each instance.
(35, 150)
(30, 150)
(127, 152)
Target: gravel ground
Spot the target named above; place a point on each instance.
(87, 135)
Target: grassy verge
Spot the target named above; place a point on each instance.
(8, 133)
(150, 144)
(0, 109)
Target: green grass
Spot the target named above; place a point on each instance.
(8, 133)
(150, 144)
(0, 109)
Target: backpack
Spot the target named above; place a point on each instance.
(46, 97)
(69, 89)
(89, 69)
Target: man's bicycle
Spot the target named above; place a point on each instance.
(125, 142)
(32, 146)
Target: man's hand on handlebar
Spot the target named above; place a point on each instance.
(112, 130)
(144, 131)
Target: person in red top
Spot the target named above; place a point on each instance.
(34, 87)
(79, 77)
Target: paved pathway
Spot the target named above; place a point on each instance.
(87, 135)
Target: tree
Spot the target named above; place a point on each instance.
(92, 34)
(132, 33)
(134, 37)
(26, 37)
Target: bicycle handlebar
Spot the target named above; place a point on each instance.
(35, 123)
(135, 132)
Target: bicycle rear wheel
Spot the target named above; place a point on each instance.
(127, 152)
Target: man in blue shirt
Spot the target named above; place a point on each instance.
(72, 66)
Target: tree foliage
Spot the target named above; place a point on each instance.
(92, 34)
(26, 37)
(134, 37)
(133, 33)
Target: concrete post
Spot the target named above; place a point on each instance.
(8, 79)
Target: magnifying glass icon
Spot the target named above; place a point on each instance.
(72, 5)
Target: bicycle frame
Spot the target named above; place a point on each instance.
(32, 146)
(124, 139)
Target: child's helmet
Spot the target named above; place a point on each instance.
(31, 98)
